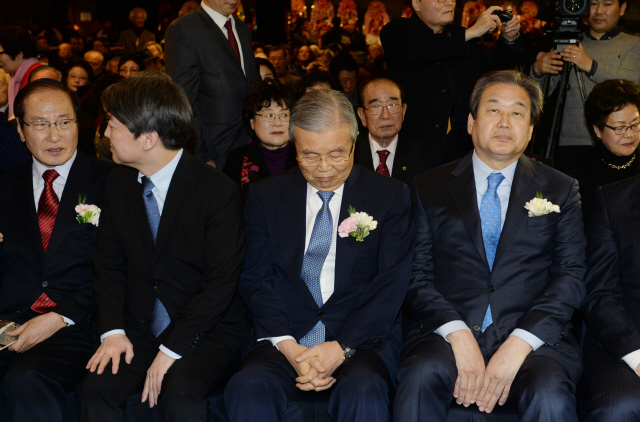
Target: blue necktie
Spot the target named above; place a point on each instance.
(160, 319)
(317, 252)
(490, 216)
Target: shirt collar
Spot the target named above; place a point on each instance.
(162, 178)
(218, 18)
(4, 108)
(311, 191)
(376, 146)
(481, 171)
(63, 170)
(607, 36)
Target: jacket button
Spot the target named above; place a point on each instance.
(476, 328)
(443, 90)
(437, 124)
(144, 321)
(17, 312)
(492, 289)
(156, 284)
(45, 284)
(449, 34)
(321, 313)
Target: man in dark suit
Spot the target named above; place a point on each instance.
(45, 259)
(325, 308)
(382, 112)
(493, 288)
(208, 53)
(167, 263)
(612, 343)
(438, 63)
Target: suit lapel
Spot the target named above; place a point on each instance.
(346, 248)
(363, 155)
(178, 188)
(402, 158)
(26, 211)
(291, 229)
(463, 191)
(523, 190)
(219, 38)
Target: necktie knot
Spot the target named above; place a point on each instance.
(383, 153)
(494, 181)
(326, 197)
(49, 176)
(147, 185)
(227, 25)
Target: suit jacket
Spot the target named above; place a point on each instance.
(613, 234)
(64, 272)
(370, 276)
(537, 278)
(128, 40)
(193, 268)
(425, 64)
(200, 59)
(410, 159)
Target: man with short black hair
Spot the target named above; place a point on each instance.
(167, 263)
(344, 68)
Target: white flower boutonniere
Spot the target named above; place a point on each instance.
(87, 213)
(357, 225)
(540, 206)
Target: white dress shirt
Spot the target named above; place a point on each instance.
(161, 180)
(4, 108)
(38, 170)
(328, 272)
(220, 20)
(376, 158)
(481, 172)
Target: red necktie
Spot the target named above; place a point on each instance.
(232, 39)
(382, 167)
(47, 207)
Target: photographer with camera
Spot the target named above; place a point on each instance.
(438, 63)
(604, 53)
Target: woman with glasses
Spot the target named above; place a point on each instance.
(613, 118)
(266, 114)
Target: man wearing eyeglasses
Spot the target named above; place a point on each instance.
(324, 304)
(45, 258)
(384, 150)
(438, 63)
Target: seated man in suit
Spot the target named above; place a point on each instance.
(167, 263)
(45, 258)
(612, 343)
(483, 261)
(324, 304)
(382, 112)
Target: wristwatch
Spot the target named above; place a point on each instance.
(348, 351)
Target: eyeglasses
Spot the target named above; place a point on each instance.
(444, 1)
(377, 109)
(621, 130)
(335, 159)
(270, 117)
(42, 126)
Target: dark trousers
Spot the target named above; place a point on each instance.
(35, 383)
(542, 389)
(614, 389)
(265, 386)
(183, 396)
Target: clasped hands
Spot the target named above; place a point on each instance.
(485, 386)
(315, 365)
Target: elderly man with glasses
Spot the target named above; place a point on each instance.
(328, 260)
(438, 63)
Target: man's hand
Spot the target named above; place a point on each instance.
(212, 163)
(310, 368)
(486, 23)
(501, 371)
(110, 350)
(330, 354)
(550, 63)
(576, 54)
(155, 374)
(470, 364)
(511, 29)
(35, 331)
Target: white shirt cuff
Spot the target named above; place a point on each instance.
(67, 320)
(633, 360)
(169, 353)
(110, 333)
(533, 341)
(276, 340)
(450, 327)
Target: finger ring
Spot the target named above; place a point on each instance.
(574, 56)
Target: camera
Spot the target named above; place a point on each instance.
(505, 15)
(562, 9)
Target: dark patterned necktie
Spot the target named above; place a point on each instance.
(232, 39)
(382, 167)
(47, 207)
